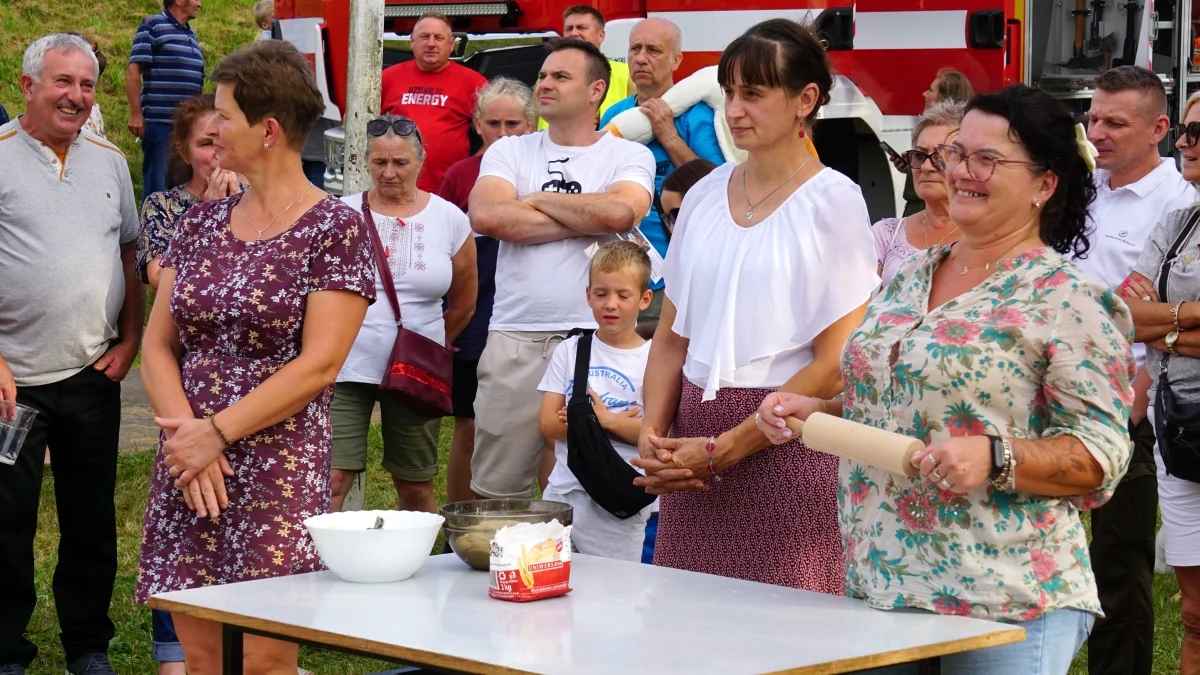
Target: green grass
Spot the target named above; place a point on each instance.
(221, 27)
(130, 651)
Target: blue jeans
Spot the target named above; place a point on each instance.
(166, 643)
(651, 535)
(1050, 645)
(156, 147)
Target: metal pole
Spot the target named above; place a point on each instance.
(363, 85)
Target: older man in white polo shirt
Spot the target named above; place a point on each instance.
(1135, 189)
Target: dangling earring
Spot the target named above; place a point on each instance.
(801, 134)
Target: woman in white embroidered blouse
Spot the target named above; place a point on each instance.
(1014, 368)
(769, 270)
(431, 255)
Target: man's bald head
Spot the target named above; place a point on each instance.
(655, 52)
(659, 29)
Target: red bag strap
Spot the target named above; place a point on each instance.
(381, 263)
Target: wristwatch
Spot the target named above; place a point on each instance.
(998, 460)
(1171, 339)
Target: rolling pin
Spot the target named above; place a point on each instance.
(864, 444)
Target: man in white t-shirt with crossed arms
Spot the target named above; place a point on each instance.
(549, 197)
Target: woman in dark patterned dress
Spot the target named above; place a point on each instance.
(193, 169)
(260, 299)
(770, 268)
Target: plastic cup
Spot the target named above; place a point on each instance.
(15, 422)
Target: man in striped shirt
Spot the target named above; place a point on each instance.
(165, 69)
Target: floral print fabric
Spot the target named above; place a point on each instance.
(1035, 351)
(160, 213)
(240, 311)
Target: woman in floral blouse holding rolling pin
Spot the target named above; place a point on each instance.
(1015, 370)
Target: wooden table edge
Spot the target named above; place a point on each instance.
(407, 655)
(420, 657)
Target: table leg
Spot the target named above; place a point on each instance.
(231, 650)
(931, 666)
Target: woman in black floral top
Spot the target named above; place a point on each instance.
(261, 296)
(194, 165)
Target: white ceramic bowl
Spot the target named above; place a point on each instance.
(355, 552)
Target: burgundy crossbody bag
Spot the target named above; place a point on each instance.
(419, 369)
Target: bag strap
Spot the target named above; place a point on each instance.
(1164, 269)
(583, 360)
(381, 263)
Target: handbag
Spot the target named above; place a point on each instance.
(1176, 424)
(419, 369)
(603, 473)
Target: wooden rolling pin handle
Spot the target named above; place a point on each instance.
(862, 443)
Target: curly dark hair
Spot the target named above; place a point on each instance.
(1046, 129)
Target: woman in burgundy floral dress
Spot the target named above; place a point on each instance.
(260, 298)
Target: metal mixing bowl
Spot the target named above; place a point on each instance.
(471, 525)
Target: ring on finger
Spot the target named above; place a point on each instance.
(945, 484)
(1145, 298)
(935, 475)
(173, 472)
(933, 462)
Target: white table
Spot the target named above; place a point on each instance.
(620, 618)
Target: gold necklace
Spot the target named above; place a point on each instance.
(246, 216)
(746, 194)
(987, 265)
(925, 229)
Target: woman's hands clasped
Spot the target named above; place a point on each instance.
(194, 455)
(671, 464)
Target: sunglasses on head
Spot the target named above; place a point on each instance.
(402, 127)
(1190, 132)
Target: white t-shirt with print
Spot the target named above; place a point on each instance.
(615, 374)
(541, 287)
(419, 254)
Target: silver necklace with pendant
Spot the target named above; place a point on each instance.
(746, 194)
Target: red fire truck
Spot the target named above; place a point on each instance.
(885, 52)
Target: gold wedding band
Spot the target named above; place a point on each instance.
(173, 472)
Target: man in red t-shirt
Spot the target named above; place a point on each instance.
(436, 94)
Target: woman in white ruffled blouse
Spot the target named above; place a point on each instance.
(770, 268)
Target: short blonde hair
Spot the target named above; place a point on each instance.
(1192, 100)
(623, 256)
(506, 86)
(264, 11)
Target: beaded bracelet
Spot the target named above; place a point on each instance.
(711, 446)
(220, 434)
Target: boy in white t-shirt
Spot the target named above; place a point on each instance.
(618, 289)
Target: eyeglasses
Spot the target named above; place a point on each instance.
(402, 127)
(667, 217)
(916, 159)
(980, 166)
(1191, 132)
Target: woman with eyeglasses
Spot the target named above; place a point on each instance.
(1015, 369)
(1168, 326)
(431, 252)
(898, 239)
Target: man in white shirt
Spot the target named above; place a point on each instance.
(1135, 189)
(550, 198)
